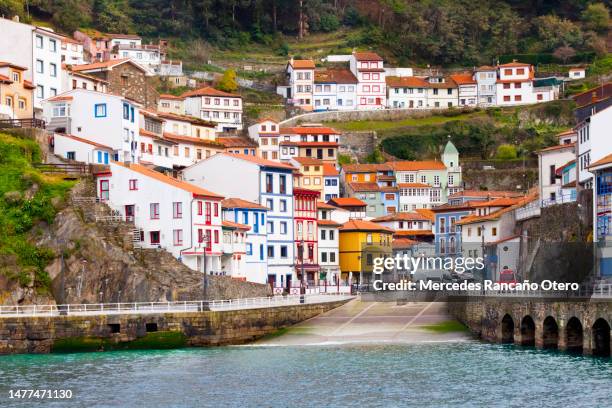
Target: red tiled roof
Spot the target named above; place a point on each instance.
(27, 84)
(309, 130)
(192, 140)
(486, 68)
(430, 215)
(173, 97)
(400, 243)
(308, 161)
(310, 144)
(413, 185)
(336, 76)
(325, 206)
(234, 225)
(417, 165)
(401, 216)
(368, 186)
(261, 162)
(412, 233)
(82, 140)
(463, 79)
(5, 79)
(604, 160)
(185, 118)
(486, 193)
(102, 65)
(236, 142)
(497, 202)
(367, 56)
(11, 65)
(557, 147)
(302, 64)
(407, 82)
(329, 170)
(61, 98)
(183, 185)
(362, 225)
(347, 202)
(208, 91)
(328, 223)
(514, 64)
(365, 168)
(240, 203)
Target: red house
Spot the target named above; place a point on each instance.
(306, 234)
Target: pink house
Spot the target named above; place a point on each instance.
(371, 90)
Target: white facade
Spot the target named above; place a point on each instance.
(266, 134)
(300, 76)
(107, 119)
(442, 93)
(486, 81)
(407, 92)
(146, 56)
(515, 84)
(75, 80)
(81, 150)
(168, 213)
(594, 143)
(550, 160)
(72, 52)
(328, 244)
(223, 108)
(577, 73)
(368, 67)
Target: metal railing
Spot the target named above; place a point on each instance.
(68, 168)
(22, 123)
(86, 309)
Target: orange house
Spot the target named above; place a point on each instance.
(15, 92)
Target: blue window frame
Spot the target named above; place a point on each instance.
(132, 114)
(126, 111)
(245, 217)
(261, 252)
(246, 152)
(99, 157)
(249, 249)
(263, 220)
(100, 110)
(105, 157)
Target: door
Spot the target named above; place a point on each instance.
(104, 188)
(129, 212)
(378, 101)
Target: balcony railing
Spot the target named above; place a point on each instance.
(22, 123)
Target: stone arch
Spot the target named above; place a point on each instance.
(550, 333)
(527, 331)
(574, 335)
(601, 338)
(507, 329)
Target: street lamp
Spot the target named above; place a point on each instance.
(205, 241)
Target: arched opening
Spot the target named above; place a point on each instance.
(550, 333)
(601, 338)
(573, 335)
(507, 327)
(527, 331)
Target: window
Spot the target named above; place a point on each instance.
(269, 180)
(53, 70)
(133, 184)
(59, 110)
(22, 104)
(518, 98)
(53, 91)
(520, 71)
(332, 257)
(283, 205)
(40, 68)
(517, 85)
(53, 45)
(216, 236)
(332, 235)
(154, 237)
(270, 251)
(283, 227)
(40, 92)
(507, 86)
(178, 237)
(100, 110)
(283, 251)
(270, 204)
(494, 231)
(506, 98)
(154, 210)
(208, 218)
(177, 210)
(39, 41)
(323, 234)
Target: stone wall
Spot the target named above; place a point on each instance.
(129, 81)
(46, 334)
(483, 316)
(506, 179)
(357, 145)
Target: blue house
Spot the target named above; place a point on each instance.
(447, 235)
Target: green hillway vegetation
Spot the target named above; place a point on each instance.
(153, 340)
(447, 326)
(27, 198)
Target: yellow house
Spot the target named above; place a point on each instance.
(359, 243)
(15, 92)
(311, 173)
(364, 173)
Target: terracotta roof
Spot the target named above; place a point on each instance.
(173, 97)
(567, 132)
(192, 140)
(82, 140)
(102, 65)
(486, 68)
(533, 195)
(309, 130)
(448, 83)
(11, 65)
(365, 168)
(383, 177)
(406, 82)
(367, 186)
(336, 76)
(514, 64)
(347, 202)
(90, 77)
(234, 225)
(603, 161)
(559, 171)
(195, 190)
(240, 203)
(302, 64)
(125, 36)
(497, 202)
(328, 223)
(185, 118)
(28, 84)
(413, 185)
(400, 243)
(310, 144)
(401, 216)
(61, 98)
(486, 193)
(5, 79)
(261, 162)
(367, 56)
(362, 225)
(208, 91)
(329, 170)
(430, 215)
(236, 142)
(557, 147)
(267, 120)
(463, 79)
(413, 233)
(325, 206)
(308, 161)
(417, 165)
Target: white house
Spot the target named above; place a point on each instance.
(368, 68)
(234, 250)
(167, 213)
(331, 182)
(37, 49)
(266, 183)
(328, 243)
(467, 89)
(267, 134)
(407, 92)
(254, 216)
(146, 55)
(72, 52)
(514, 84)
(442, 92)
(109, 120)
(300, 82)
(223, 108)
(335, 89)
(81, 150)
(407, 225)
(594, 142)
(73, 80)
(577, 73)
(171, 104)
(550, 160)
(486, 81)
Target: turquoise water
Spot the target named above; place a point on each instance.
(430, 375)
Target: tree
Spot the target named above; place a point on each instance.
(564, 53)
(228, 81)
(506, 152)
(596, 17)
(10, 8)
(554, 32)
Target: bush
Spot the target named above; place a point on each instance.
(329, 22)
(506, 152)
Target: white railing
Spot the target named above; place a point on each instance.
(533, 209)
(86, 309)
(598, 291)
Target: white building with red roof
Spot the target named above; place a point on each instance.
(211, 104)
(300, 82)
(514, 85)
(368, 67)
(167, 213)
(171, 104)
(311, 141)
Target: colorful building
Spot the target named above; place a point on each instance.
(306, 235)
(16, 97)
(602, 215)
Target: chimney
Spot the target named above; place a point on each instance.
(594, 96)
(15, 18)
(291, 60)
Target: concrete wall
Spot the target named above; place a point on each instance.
(39, 335)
